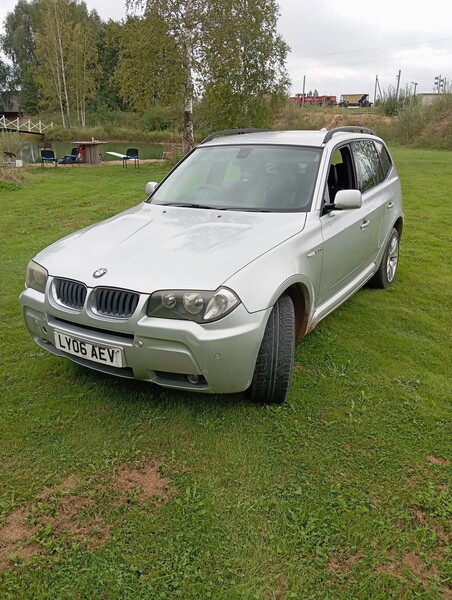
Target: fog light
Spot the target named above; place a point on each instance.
(194, 379)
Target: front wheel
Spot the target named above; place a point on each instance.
(273, 372)
(387, 270)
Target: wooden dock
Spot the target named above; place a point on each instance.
(23, 126)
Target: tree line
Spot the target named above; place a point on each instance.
(224, 56)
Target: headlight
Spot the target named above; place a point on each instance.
(199, 306)
(36, 277)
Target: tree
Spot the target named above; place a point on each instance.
(227, 51)
(52, 45)
(147, 71)
(53, 49)
(246, 77)
(30, 94)
(5, 81)
(84, 69)
(182, 22)
(66, 51)
(18, 45)
(108, 43)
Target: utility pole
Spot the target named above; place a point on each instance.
(304, 86)
(439, 84)
(380, 95)
(398, 85)
(415, 86)
(375, 90)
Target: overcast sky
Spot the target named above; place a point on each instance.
(342, 46)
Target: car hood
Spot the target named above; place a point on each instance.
(151, 247)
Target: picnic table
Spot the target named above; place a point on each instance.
(92, 150)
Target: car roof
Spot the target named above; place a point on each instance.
(317, 138)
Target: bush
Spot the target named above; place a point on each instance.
(8, 186)
(161, 118)
(410, 122)
(437, 133)
(10, 141)
(402, 121)
(390, 105)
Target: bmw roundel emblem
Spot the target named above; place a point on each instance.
(99, 272)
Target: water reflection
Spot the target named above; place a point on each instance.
(29, 151)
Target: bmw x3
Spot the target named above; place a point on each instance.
(249, 241)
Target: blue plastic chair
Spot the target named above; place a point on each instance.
(48, 156)
(131, 154)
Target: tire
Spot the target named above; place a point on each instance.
(273, 372)
(387, 270)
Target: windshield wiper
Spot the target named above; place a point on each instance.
(208, 207)
(191, 205)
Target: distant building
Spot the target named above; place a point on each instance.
(9, 107)
(429, 98)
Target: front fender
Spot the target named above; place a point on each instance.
(260, 283)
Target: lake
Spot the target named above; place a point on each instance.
(29, 151)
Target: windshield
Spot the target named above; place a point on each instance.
(262, 178)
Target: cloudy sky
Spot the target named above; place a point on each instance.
(342, 46)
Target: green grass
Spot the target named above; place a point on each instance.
(343, 492)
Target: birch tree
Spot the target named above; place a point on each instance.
(184, 20)
(229, 53)
(66, 52)
(84, 68)
(53, 48)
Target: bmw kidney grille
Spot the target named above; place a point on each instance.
(108, 302)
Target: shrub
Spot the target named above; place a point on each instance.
(10, 141)
(391, 104)
(437, 132)
(161, 118)
(410, 123)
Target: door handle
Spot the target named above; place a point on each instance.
(314, 252)
(390, 205)
(365, 224)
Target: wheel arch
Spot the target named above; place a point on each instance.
(398, 225)
(299, 295)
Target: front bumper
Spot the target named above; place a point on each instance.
(164, 351)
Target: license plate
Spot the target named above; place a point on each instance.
(107, 355)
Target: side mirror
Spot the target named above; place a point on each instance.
(150, 187)
(347, 199)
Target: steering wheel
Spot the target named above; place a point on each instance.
(208, 186)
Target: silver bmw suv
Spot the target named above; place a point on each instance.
(251, 240)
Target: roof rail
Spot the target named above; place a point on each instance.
(350, 128)
(216, 134)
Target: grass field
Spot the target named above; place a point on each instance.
(115, 489)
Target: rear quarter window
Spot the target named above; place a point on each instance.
(385, 159)
(368, 165)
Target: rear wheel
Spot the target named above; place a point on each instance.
(387, 270)
(274, 365)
